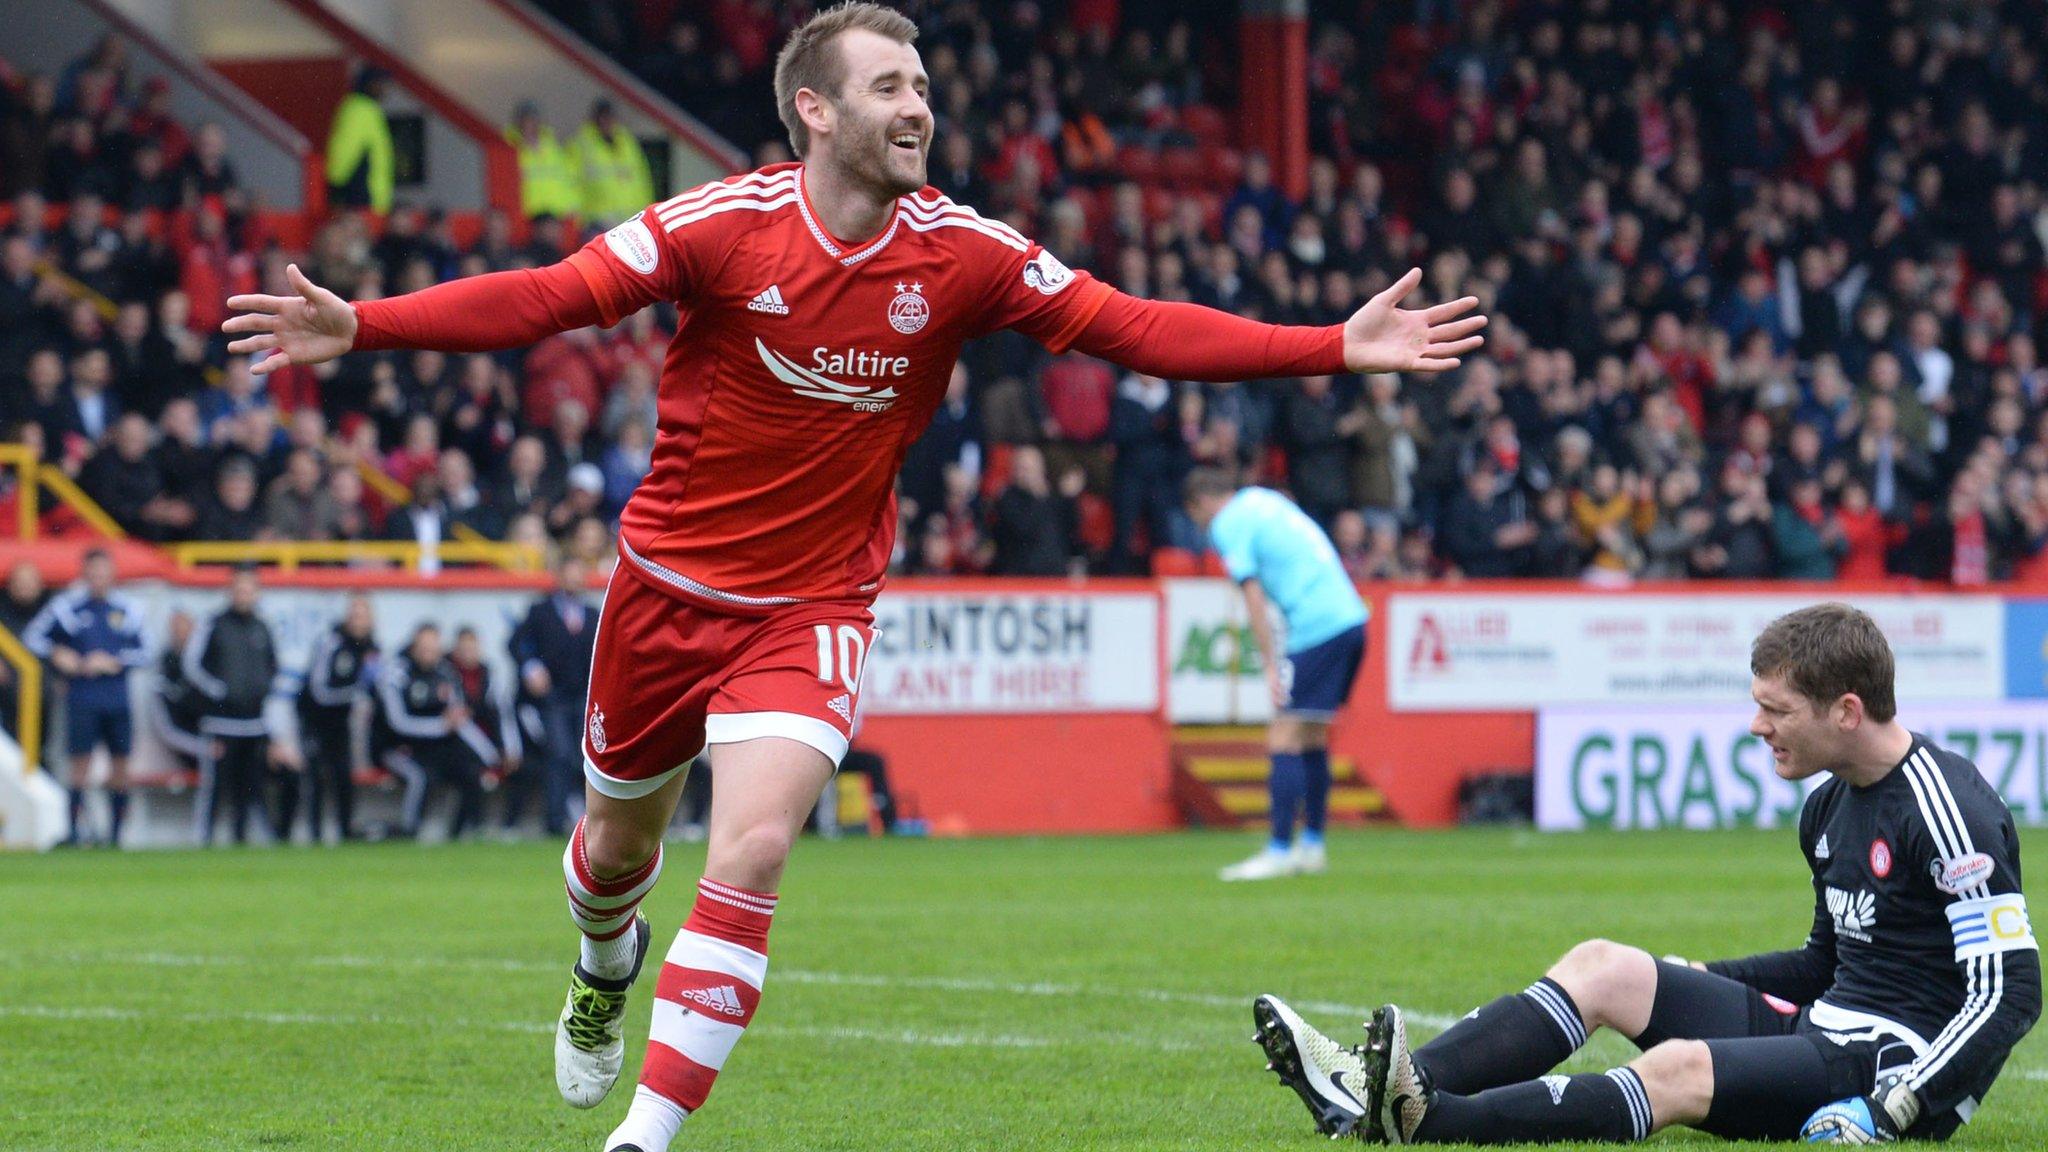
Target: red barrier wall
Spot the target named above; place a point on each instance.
(1037, 774)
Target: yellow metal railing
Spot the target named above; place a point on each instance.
(28, 686)
(76, 289)
(34, 477)
(88, 509)
(28, 500)
(291, 554)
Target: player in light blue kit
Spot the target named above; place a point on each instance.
(1278, 555)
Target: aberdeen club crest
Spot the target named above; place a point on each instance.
(908, 312)
(597, 730)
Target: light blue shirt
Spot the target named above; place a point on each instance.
(1261, 534)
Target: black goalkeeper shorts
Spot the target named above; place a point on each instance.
(1773, 1066)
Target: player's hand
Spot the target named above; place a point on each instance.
(309, 328)
(1275, 690)
(1878, 1118)
(1385, 337)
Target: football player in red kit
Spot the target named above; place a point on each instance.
(823, 305)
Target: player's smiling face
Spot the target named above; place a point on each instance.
(1803, 740)
(884, 130)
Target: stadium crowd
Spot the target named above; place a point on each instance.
(1766, 283)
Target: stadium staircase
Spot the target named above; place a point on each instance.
(1219, 780)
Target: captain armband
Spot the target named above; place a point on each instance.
(1990, 924)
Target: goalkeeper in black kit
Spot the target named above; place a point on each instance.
(1920, 974)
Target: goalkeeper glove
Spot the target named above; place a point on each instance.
(1878, 1118)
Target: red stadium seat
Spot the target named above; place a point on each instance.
(1175, 562)
(1222, 167)
(1138, 163)
(1206, 124)
(1181, 167)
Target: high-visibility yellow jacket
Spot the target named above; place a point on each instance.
(616, 180)
(361, 135)
(549, 181)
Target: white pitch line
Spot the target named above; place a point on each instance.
(1048, 989)
(905, 1036)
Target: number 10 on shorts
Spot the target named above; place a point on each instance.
(841, 652)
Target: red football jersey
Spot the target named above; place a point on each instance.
(801, 372)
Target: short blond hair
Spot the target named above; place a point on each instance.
(808, 59)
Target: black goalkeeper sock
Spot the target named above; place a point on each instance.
(1513, 1039)
(1599, 1106)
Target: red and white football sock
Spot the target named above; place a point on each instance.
(705, 999)
(603, 909)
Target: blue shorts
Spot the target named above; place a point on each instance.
(1318, 679)
(87, 726)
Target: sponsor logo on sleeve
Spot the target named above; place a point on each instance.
(1045, 273)
(1961, 874)
(632, 243)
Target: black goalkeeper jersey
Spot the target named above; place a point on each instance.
(1919, 927)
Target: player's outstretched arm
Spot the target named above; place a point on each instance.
(1189, 342)
(477, 314)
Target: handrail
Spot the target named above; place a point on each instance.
(76, 289)
(397, 491)
(28, 683)
(88, 509)
(501, 163)
(261, 120)
(290, 554)
(383, 483)
(28, 497)
(624, 84)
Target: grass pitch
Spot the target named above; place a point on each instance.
(941, 995)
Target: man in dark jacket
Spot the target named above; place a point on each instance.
(1487, 532)
(425, 731)
(1035, 527)
(232, 660)
(338, 680)
(552, 648)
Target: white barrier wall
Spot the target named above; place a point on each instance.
(1700, 768)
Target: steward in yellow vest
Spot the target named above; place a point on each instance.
(616, 180)
(360, 155)
(549, 183)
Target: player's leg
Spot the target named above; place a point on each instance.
(1286, 782)
(206, 798)
(1465, 1079)
(1523, 1035)
(711, 979)
(412, 777)
(81, 737)
(1309, 854)
(243, 761)
(641, 726)
(81, 780)
(120, 738)
(1319, 686)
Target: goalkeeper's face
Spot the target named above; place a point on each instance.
(1803, 735)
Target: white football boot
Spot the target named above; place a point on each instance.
(590, 1042)
(1310, 859)
(1330, 1078)
(1396, 1093)
(1270, 864)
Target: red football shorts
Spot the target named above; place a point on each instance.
(670, 677)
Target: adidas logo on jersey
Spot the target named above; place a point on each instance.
(842, 704)
(724, 1000)
(770, 302)
(1820, 850)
